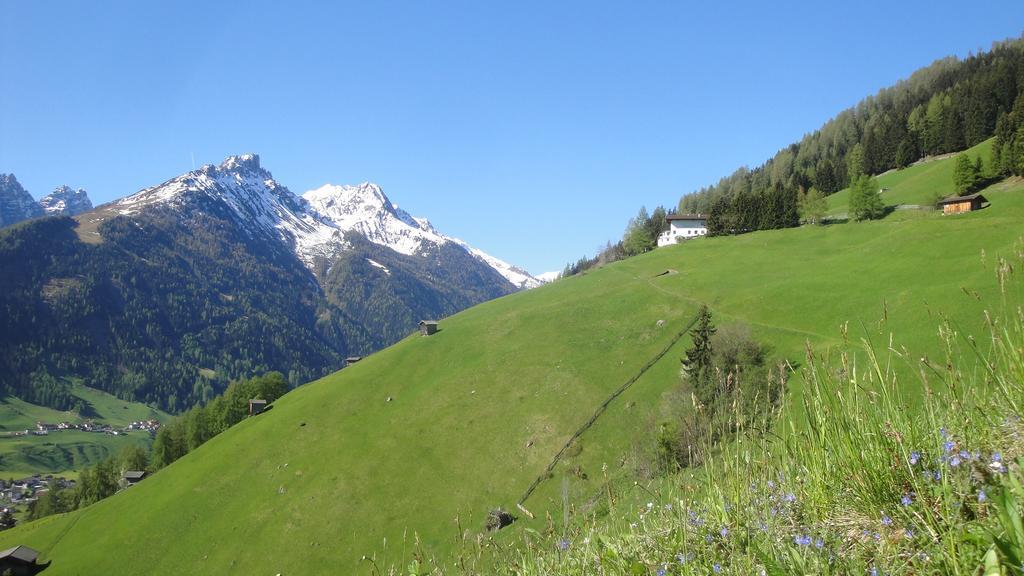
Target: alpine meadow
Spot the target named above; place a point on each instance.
(814, 365)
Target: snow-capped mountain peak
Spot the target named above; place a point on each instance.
(66, 201)
(367, 210)
(313, 224)
(242, 163)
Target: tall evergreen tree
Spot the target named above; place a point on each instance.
(698, 364)
(855, 163)
(964, 175)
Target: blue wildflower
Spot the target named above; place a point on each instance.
(954, 461)
(790, 497)
(997, 457)
(681, 558)
(937, 475)
(661, 571)
(803, 540)
(914, 457)
(886, 521)
(563, 544)
(942, 431)
(982, 497)
(724, 532)
(876, 536)
(907, 499)
(874, 571)
(819, 543)
(717, 568)
(708, 538)
(948, 446)
(964, 454)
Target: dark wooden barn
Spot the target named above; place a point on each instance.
(20, 561)
(352, 360)
(132, 477)
(961, 204)
(428, 327)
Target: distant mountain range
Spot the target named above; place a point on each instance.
(166, 294)
(17, 205)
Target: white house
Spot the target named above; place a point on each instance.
(683, 227)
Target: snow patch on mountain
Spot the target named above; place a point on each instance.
(376, 264)
(547, 277)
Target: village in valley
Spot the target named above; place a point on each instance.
(45, 428)
(17, 494)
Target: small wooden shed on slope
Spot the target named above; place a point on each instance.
(428, 327)
(257, 405)
(961, 204)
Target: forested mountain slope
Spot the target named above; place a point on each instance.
(165, 295)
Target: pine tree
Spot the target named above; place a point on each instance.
(964, 175)
(855, 163)
(698, 363)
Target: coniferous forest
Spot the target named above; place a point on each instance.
(169, 307)
(943, 108)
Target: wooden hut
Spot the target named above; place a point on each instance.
(132, 477)
(256, 406)
(961, 204)
(352, 360)
(428, 327)
(20, 561)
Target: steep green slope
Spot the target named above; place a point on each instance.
(336, 470)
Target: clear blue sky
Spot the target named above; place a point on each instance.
(532, 130)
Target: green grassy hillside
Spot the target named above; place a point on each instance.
(428, 435)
